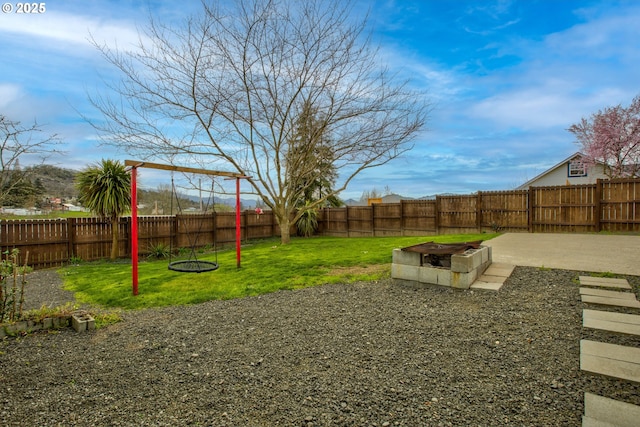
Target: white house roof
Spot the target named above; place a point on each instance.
(548, 171)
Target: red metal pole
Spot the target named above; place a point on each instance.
(134, 231)
(238, 230)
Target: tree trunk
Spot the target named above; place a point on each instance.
(114, 240)
(285, 230)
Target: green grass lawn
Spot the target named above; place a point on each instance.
(52, 215)
(267, 266)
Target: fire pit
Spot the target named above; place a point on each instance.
(449, 264)
(439, 254)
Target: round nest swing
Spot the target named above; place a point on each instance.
(193, 266)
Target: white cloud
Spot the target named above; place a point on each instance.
(568, 75)
(70, 31)
(8, 94)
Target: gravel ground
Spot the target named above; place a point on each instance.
(364, 354)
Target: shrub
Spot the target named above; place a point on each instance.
(159, 251)
(307, 224)
(12, 281)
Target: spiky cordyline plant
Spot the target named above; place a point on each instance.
(105, 189)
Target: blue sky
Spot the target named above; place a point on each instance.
(506, 79)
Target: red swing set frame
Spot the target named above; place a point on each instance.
(134, 165)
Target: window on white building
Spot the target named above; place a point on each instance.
(577, 168)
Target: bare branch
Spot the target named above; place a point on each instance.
(17, 142)
(230, 83)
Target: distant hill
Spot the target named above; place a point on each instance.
(57, 182)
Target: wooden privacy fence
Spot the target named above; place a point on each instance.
(605, 206)
(55, 242)
(611, 205)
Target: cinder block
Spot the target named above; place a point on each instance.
(406, 258)
(406, 272)
(78, 323)
(486, 254)
(464, 263)
(435, 275)
(461, 263)
(82, 321)
(33, 326)
(463, 280)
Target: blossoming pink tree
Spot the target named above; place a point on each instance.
(612, 137)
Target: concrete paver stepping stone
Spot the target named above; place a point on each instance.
(494, 277)
(501, 272)
(612, 360)
(489, 286)
(504, 265)
(614, 322)
(607, 293)
(601, 411)
(605, 282)
(617, 302)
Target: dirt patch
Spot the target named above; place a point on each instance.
(359, 270)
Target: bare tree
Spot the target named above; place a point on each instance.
(16, 142)
(230, 85)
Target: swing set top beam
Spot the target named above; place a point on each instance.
(140, 164)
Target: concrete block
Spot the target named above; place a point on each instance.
(462, 263)
(483, 267)
(463, 280)
(33, 326)
(435, 275)
(79, 324)
(60, 322)
(82, 322)
(406, 258)
(406, 272)
(16, 328)
(477, 259)
(486, 254)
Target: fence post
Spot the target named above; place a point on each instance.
(373, 220)
(214, 229)
(530, 210)
(174, 232)
(244, 221)
(127, 235)
(71, 236)
(598, 205)
(436, 220)
(401, 217)
(479, 211)
(347, 221)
